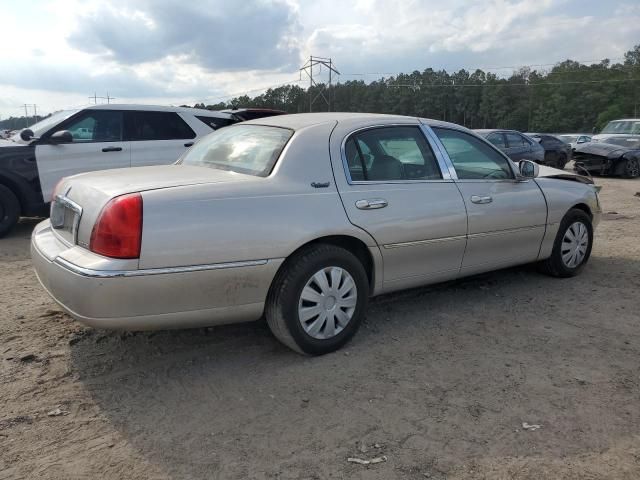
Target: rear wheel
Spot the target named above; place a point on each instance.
(631, 168)
(318, 299)
(562, 161)
(572, 246)
(9, 210)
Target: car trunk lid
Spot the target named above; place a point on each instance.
(79, 199)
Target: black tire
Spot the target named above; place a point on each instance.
(555, 265)
(562, 161)
(550, 159)
(631, 168)
(281, 310)
(9, 210)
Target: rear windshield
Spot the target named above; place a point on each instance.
(249, 149)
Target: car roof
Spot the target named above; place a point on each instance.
(157, 108)
(482, 131)
(298, 121)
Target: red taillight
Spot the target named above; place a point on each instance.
(118, 231)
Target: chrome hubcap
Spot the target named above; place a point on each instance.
(574, 244)
(327, 303)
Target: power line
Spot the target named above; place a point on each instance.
(461, 85)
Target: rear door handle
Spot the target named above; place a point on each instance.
(371, 204)
(481, 199)
(188, 144)
(112, 149)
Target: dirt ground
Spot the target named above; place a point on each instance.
(438, 382)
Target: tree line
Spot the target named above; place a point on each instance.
(570, 97)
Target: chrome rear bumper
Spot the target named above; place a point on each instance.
(127, 298)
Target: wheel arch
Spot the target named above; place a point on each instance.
(584, 207)
(350, 243)
(15, 189)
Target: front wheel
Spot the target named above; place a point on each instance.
(631, 168)
(562, 161)
(317, 300)
(9, 210)
(572, 246)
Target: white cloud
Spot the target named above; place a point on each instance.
(182, 52)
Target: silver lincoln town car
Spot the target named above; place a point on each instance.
(302, 218)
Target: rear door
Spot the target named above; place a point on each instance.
(157, 138)
(97, 145)
(518, 147)
(394, 186)
(507, 216)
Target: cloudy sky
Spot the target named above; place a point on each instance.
(58, 52)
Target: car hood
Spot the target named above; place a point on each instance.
(607, 150)
(550, 172)
(9, 143)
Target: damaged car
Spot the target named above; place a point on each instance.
(618, 157)
(300, 219)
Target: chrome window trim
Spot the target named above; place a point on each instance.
(510, 162)
(424, 242)
(76, 209)
(88, 272)
(446, 177)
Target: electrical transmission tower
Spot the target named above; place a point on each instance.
(26, 112)
(95, 98)
(308, 69)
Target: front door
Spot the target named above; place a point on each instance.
(507, 217)
(97, 145)
(393, 186)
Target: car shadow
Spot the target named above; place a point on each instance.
(15, 245)
(447, 372)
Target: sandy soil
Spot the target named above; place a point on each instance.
(438, 381)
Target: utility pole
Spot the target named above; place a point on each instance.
(26, 113)
(308, 69)
(95, 98)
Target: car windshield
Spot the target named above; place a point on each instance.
(248, 149)
(624, 142)
(568, 138)
(44, 125)
(629, 127)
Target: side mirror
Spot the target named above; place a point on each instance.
(26, 134)
(528, 169)
(61, 136)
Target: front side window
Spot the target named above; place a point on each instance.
(473, 158)
(157, 126)
(96, 126)
(248, 149)
(390, 154)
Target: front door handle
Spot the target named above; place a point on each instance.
(371, 204)
(188, 144)
(481, 199)
(112, 149)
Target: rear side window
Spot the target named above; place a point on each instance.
(248, 149)
(497, 139)
(157, 126)
(515, 140)
(473, 158)
(214, 122)
(391, 153)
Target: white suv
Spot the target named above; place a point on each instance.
(99, 137)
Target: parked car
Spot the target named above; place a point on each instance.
(244, 114)
(609, 158)
(302, 218)
(556, 152)
(516, 145)
(574, 139)
(94, 138)
(626, 128)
